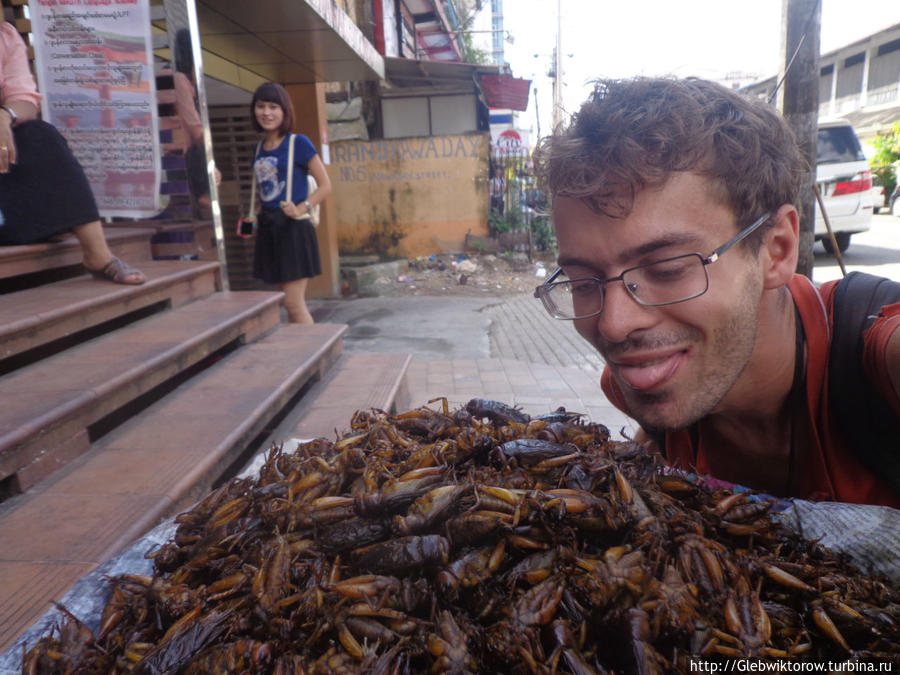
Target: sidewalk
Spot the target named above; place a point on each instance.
(509, 350)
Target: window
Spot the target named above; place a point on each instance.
(839, 144)
(854, 60)
(429, 115)
(889, 47)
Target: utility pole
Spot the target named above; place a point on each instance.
(557, 68)
(798, 100)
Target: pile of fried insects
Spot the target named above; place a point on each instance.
(477, 540)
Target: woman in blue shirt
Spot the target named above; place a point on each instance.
(287, 252)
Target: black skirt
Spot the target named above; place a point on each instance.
(286, 249)
(46, 191)
(195, 165)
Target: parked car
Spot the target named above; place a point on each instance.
(879, 196)
(845, 182)
(893, 203)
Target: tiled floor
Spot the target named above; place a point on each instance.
(534, 387)
(506, 349)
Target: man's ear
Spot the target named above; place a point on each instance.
(780, 247)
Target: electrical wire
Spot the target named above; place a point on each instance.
(796, 51)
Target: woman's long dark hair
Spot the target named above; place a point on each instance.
(272, 92)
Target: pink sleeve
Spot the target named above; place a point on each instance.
(875, 361)
(16, 80)
(187, 112)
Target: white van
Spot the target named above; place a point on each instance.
(845, 182)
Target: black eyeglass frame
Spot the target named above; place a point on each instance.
(540, 292)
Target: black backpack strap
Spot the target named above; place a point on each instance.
(869, 425)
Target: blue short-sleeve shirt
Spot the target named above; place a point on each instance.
(270, 167)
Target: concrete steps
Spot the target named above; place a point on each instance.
(357, 382)
(151, 467)
(129, 243)
(178, 240)
(49, 405)
(36, 316)
(123, 405)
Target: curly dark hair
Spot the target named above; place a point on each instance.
(635, 133)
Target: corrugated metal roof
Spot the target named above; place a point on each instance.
(505, 91)
(411, 73)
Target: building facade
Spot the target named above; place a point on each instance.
(859, 82)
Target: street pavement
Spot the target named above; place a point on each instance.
(876, 251)
(506, 349)
(510, 350)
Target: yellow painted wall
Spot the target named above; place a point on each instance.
(409, 197)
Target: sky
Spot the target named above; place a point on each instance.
(706, 38)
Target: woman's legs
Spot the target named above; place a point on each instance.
(295, 301)
(93, 245)
(96, 251)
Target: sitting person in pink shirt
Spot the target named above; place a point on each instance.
(43, 189)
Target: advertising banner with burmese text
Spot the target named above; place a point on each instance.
(94, 64)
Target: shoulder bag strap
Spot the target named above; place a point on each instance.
(253, 183)
(865, 418)
(289, 194)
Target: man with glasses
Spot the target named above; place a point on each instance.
(674, 205)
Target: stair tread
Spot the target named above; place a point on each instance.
(356, 382)
(141, 472)
(70, 241)
(163, 225)
(131, 244)
(36, 395)
(30, 308)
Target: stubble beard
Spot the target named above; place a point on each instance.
(689, 401)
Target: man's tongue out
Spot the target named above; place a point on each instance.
(650, 374)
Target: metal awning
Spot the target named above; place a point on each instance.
(505, 91)
(287, 41)
(407, 73)
(873, 121)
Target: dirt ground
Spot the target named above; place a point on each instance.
(469, 276)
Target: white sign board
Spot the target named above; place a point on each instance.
(94, 63)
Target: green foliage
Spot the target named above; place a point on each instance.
(887, 154)
(471, 53)
(542, 234)
(500, 222)
(511, 221)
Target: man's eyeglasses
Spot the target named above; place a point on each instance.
(664, 282)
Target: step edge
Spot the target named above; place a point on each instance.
(297, 379)
(391, 393)
(313, 401)
(262, 412)
(117, 294)
(51, 418)
(219, 296)
(171, 354)
(48, 420)
(167, 502)
(398, 383)
(39, 249)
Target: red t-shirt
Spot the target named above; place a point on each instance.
(830, 470)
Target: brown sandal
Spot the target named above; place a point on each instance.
(119, 272)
